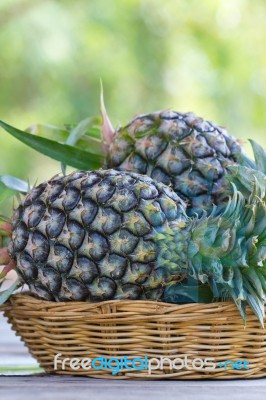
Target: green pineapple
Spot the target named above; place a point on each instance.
(102, 235)
(178, 149)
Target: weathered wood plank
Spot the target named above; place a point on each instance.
(69, 388)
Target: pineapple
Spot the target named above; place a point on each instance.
(91, 236)
(178, 149)
(101, 235)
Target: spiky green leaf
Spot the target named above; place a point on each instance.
(246, 176)
(257, 306)
(9, 186)
(80, 131)
(241, 305)
(260, 156)
(5, 294)
(90, 141)
(65, 153)
(14, 183)
(245, 161)
(57, 133)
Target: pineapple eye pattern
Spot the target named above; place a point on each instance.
(91, 236)
(181, 149)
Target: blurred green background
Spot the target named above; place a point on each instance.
(203, 56)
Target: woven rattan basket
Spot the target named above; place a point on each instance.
(143, 329)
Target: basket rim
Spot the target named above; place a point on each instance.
(132, 311)
(26, 303)
(153, 304)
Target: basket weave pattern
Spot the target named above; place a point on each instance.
(137, 329)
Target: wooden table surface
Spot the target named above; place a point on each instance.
(19, 381)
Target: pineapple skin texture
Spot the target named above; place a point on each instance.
(180, 149)
(91, 236)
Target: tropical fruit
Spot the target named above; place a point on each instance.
(180, 149)
(90, 236)
(183, 150)
(101, 235)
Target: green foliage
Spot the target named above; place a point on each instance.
(66, 153)
(9, 186)
(5, 294)
(260, 156)
(228, 250)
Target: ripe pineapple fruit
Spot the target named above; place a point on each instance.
(180, 149)
(104, 235)
(90, 236)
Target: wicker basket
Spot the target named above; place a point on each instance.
(138, 329)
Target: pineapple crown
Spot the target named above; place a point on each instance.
(228, 251)
(225, 250)
(228, 248)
